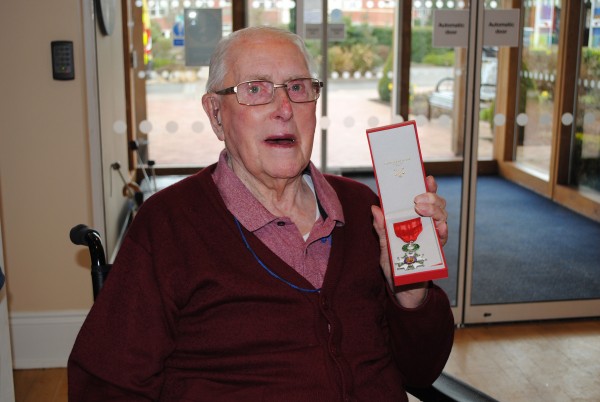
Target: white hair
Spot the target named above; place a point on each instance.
(218, 61)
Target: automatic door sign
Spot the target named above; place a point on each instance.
(501, 28)
(450, 28)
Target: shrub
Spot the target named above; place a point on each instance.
(384, 86)
(340, 59)
(363, 58)
(440, 59)
(384, 35)
(421, 43)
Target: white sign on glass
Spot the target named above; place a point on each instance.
(501, 28)
(450, 28)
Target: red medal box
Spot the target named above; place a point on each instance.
(414, 247)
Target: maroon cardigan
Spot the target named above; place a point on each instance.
(189, 315)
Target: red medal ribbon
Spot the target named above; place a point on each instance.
(408, 230)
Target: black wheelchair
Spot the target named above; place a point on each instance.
(445, 389)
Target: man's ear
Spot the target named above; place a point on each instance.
(212, 109)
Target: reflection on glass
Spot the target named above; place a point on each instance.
(537, 80)
(585, 157)
(487, 106)
(360, 76)
(176, 129)
(359, 67)
(437, 81)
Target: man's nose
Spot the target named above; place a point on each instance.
(282, 99)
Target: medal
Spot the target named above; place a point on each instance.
(408, 231)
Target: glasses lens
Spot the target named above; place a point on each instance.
(255, 92)
(303, 90)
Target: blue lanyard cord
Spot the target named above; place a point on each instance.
(262, 264)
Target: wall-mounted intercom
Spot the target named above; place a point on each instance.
(63, 67)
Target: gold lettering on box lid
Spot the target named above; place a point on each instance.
(398, 166)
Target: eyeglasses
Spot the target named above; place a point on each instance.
(261, 92)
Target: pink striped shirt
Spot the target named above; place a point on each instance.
(309, 258)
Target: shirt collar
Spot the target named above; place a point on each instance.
(251, 213)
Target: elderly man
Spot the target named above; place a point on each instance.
(260, 278)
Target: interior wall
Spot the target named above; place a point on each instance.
(45, 175)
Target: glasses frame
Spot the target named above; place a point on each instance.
(233, 90)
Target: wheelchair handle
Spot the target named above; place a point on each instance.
(82, 235)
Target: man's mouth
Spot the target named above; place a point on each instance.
(281, 140)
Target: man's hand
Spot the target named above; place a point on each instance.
(431, 204)
(428, 204)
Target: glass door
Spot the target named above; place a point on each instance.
(503, 114)
(531, 257)
(435, 98)
(584, 155)
(537, 74)
(176, 34)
